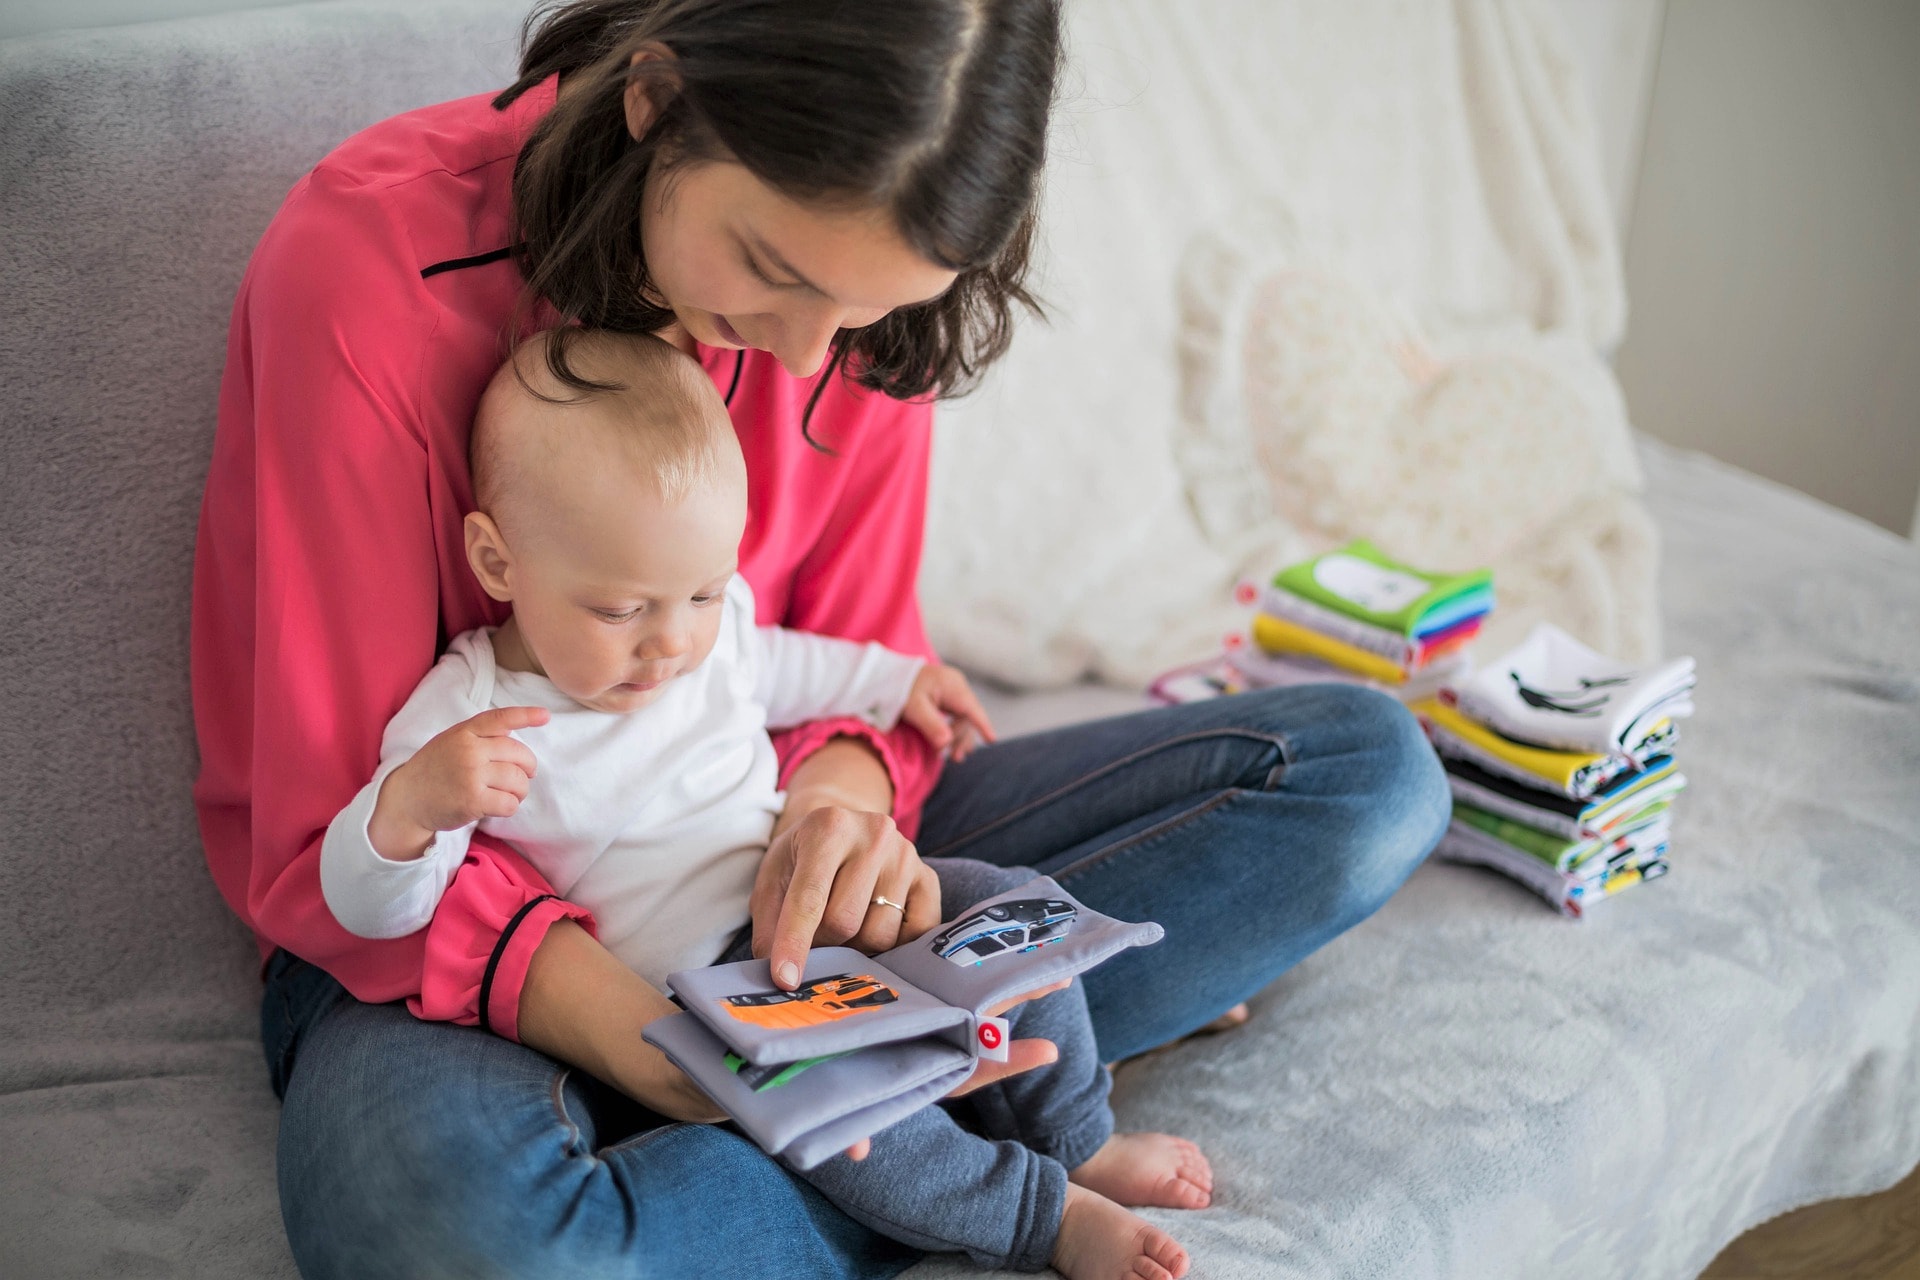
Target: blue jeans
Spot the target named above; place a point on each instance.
(1253, 829)
(985, 1174)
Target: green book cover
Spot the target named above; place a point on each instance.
(1361, 582)
(1556, 851)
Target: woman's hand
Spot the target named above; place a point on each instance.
(834, 851)
(822, 881)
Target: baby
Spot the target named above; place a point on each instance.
(632, 671)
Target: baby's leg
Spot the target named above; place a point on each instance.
(931, 1184)
(1061, 1110)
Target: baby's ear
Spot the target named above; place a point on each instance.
(488, 557)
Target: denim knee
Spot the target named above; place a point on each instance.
(1365, 751)
(1395, 766)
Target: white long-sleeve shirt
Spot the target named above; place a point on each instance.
(654, 820)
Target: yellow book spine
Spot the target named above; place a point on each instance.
(1558, 766)
(1277, 635)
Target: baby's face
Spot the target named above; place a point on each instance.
(621, 593)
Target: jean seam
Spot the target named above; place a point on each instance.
(633, 1142)
(1277, 740)
(1158, 829)
(556, 1092)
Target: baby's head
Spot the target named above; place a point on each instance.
(611, 521)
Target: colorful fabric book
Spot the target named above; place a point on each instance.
(1362, 583)
(1572, 896)
(1648, 827)
(1555, 692)
(1281, 636)
(1407, 651)
(1576, 774)
(868, 1040)
(1259, 669)
(1656, 782)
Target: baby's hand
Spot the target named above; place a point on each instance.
(466, 773)
(941, 695)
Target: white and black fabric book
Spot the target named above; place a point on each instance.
(1555, 692)
(867, 1040)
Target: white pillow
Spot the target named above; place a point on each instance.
(1316, 411)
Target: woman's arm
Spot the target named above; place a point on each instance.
(854, 792)
(582, 1006)
(317, 595)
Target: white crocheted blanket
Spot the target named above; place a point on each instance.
(1315, 271)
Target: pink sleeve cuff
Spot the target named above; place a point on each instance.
(481, 942)
(910, 760)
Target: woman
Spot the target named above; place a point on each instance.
(830, 206)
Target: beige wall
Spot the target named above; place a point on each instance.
(1614, 43)
(1773, 254)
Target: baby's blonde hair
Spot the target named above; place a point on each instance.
(658, 408)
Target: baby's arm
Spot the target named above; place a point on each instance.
(801, 676)
(388, 857)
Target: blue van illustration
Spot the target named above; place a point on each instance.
(1004, 929)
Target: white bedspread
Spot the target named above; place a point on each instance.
(1469, 1086)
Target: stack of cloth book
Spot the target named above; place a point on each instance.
(1562, 768)
(1354, 613)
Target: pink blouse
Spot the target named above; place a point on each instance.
(330, 569)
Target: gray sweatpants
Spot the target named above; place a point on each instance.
(986, 1173)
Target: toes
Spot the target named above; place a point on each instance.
(1162, 1251)
(1185, 1194)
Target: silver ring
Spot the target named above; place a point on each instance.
(882, 900)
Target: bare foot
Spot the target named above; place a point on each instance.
(1234, 1017)
(1099, 1240)
(1149, 1168)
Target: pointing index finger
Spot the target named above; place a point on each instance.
(799, 920)
(504, 720)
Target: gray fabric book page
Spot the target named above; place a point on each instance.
(1012, 943)
(845, 1000)
(810, 1112)
(863, 1042)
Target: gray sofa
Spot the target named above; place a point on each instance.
(1465, 1086)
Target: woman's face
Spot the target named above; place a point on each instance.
(742, 265)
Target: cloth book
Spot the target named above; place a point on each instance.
(868, 1040)
(1569, 894)
(1555, 692)
(1360, 582)
(1576, 774)
(1281, 636)
(1648, 828)
(1259, 669)
(1602, 814)
(1449, 630)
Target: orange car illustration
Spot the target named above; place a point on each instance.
(812, 1003)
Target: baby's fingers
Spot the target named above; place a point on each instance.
(500, 721)
(958, 699)
(504, 788)
(923, 714)
(512, 751)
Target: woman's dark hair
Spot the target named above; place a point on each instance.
(934, 109)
